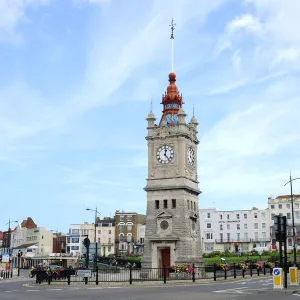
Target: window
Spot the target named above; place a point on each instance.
(165, 203)
(75, 240)
(173, 203)
(208, 215)
(121, 238)
(209, 236)
(238, 226)
(255, 225)
(74, 247)
(99, 231)
(129, 237)
(75, 231)
(228, 236)
(68, 240)
(109, 231)
(296, 205)
(157, 204)
(264, 235)
(122, 227)
(256, 236)
(272, 206)
(290, 242)
(263, 215)
(245, 216)
(263, 225)
(109, 240)
(237, 216)
(288, 216)
(221, 217)
(129, 218)
(122, 218)
(109, 248)
(288, 206)
(245, 226)
(194, 206)
(272, 216)
(228, 217)
(255, 215)
(208, 225)
(221, 227)
(280, 206)
(238, 237)
(221, 237)
(246, 236)
(228, 226)
(129, 227)
(297, 215)
(99, 240)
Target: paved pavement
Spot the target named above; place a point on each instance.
(249, 289)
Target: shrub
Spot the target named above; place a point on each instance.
(273, 257)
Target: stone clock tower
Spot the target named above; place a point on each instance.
(172, 219)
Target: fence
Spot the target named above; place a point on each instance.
(5, 274)
(131, 275)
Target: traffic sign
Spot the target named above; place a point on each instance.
(293, 276)
(277, 278)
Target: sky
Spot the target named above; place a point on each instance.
(77, 78)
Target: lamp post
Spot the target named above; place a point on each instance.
(293, 220)
(9, 236)
(95, 225)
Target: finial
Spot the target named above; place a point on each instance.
(172, 25)
(193, 110)
(151, 105)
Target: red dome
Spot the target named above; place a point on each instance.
(172, 77)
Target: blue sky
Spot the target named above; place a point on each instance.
(76, 80)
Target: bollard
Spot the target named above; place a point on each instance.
(243, 273)
(85, 280)
(69, 279)
(234, 271)
(193, 274)
(225, 275)
(97, 278)
(130, 274)
(251, 269)
(11, 273)
(215, 272)
(264, 268)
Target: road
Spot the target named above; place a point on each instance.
(248, 289)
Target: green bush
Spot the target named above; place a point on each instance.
(273, 257)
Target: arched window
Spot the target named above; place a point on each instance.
(290, 242)
(129, 237)
(121, 238)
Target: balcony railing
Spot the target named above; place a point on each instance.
(241, 240)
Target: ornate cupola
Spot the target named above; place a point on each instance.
(172, 102)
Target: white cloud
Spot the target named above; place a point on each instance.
(12, 12)
(247, 22)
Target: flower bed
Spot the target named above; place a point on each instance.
(223, 267)
(188, 269)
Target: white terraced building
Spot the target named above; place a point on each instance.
(234, 231)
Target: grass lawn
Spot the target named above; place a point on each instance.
(234, 259)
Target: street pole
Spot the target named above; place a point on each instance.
(293, 219)
(9, 237)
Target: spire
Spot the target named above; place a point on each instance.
(171, 100)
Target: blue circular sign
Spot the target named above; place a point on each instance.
(276, 272)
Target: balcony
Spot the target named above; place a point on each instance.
(265, 239)
(234, 240)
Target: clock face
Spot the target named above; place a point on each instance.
(191, 156)
(165, 154)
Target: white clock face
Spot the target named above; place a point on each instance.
(191, 156)
(165, 154)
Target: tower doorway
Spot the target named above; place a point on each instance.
(165, 259)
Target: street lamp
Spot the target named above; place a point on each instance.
(9, 233)
(293, 220)
(96, 214)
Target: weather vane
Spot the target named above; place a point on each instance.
(172, 25)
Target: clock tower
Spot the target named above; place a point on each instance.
(172, 218)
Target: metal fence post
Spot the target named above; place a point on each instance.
(225, 273)
(243, 273)
(69, 279)
(234, 270)
(85, 280)
(97, 275)
(271, 271)
(251, 269)
(49, 279)
(130, 274)
(11, 273)
(18, 271)
(264, 268)
(165, 274)
(215, 272)
(258, 271)
(193, 273)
